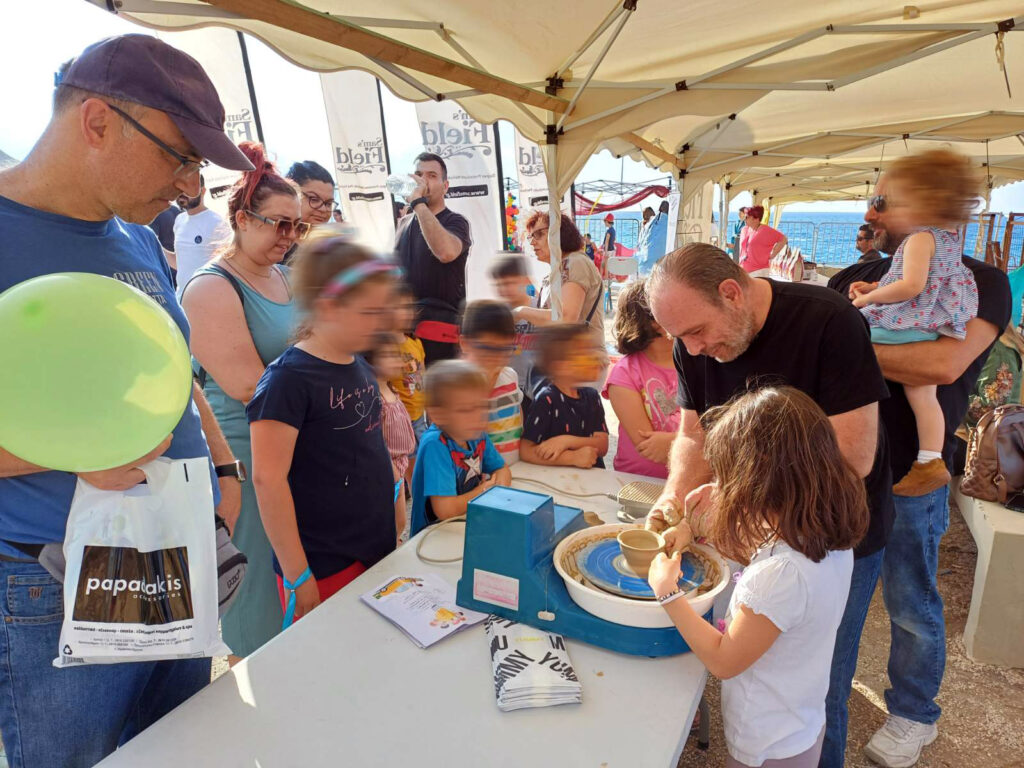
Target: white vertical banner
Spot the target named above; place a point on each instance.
(672, 233)
(360, 156)
(533, 184)
(468, 149)
(220, 54)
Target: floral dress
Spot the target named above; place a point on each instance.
(949, 298)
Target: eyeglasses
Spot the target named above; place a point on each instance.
(537, 234)
(497, 349)
(864, 237)
(284, 227)
(186, 165)
(316, 202)
(878, 203)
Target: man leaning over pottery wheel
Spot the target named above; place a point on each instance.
(734, 333)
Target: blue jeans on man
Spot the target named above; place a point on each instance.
(917, 654)
(844, 657)
(72, 717)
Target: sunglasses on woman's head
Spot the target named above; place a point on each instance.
(284, 227)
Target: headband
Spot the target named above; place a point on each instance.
(354, 275)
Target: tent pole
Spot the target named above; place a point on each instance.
(723, 217)
(550, 153)
(252, 88)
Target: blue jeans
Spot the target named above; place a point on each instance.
(844, 658)
(917, 653)
(72, 717)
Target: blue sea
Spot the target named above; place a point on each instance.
(826, 238)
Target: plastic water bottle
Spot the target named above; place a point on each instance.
(401, 186)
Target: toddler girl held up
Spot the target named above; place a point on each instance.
(928, 290)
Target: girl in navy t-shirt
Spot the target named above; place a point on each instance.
(321, 469)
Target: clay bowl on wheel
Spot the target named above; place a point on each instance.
(640, 547)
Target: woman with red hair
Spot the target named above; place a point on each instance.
(242, 316)
(581, 282)
(758, 242)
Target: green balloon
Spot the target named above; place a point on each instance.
(94, 374)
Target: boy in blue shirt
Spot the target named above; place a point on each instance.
(456, 461)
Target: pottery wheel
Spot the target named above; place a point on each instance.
(603, 565)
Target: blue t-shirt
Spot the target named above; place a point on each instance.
(554, 413)
(34, 508)
(609, 239)
(341, 478)
(444, 468)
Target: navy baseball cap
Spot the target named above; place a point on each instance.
(145, 70)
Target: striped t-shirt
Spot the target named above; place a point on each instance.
(505, 415)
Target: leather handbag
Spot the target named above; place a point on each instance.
(995, 455)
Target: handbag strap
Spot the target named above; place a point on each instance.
(201, 376)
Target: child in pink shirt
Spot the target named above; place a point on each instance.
(642, 387)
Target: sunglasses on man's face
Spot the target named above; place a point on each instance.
(284, 227)
(877, 203)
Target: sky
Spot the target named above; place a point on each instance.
(289, 98)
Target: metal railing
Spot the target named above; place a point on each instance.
(627, 231)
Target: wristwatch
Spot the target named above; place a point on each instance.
(417, 201)
(234, 469)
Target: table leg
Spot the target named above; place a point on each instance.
(704, 729)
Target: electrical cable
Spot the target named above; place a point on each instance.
(612, 496)
(430, 532)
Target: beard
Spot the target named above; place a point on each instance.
(886, 242)
(739, 338)
(191, 203)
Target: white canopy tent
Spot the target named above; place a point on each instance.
(698, 89)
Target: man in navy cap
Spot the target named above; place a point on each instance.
(133, 122)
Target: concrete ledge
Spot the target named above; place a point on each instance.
(994, 633)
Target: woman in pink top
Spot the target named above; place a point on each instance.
(642, 387)
(758, 242)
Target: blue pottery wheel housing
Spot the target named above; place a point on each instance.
(603, 565)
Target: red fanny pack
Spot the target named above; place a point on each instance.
(436, 330)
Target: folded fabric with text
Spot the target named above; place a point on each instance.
(531, 667)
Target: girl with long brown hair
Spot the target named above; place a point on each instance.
(790, 508)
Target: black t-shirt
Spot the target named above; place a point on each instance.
(553, 413)
(994, 305)
(341, 478)
(818, 343)
(429, 278)
(163, 225)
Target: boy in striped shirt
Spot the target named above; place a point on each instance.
(488, 341)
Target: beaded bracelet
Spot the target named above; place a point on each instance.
(663, 599)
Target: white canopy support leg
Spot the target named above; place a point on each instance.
(724, 233)
(549, 152)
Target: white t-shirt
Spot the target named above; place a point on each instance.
(196, 237)
(776, 707)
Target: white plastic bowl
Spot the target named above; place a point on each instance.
(647, 614)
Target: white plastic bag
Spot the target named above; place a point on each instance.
(141, 578)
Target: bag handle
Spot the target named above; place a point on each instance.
(201, 376)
